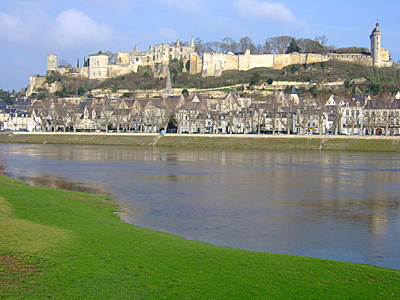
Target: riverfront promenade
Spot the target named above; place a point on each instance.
(213, 141)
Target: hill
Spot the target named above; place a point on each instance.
(373, 80)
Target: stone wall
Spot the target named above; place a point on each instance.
(98, 66)
(213, 64)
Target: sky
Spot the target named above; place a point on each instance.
(72, 29)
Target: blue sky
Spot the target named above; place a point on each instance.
(70, 28)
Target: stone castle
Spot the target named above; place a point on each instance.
(210, 64)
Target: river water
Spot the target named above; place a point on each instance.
(336, 205)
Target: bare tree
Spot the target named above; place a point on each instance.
(64, 64)
(338, 117)
(40, 114)
(226, 44)
(278, 45)
(388, 114)
(73, 115)
(246, 44)
(321, 39)
(321, 110)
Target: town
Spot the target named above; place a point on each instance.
(282, 111)
(231, 114)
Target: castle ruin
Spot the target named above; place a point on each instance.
(209, 64)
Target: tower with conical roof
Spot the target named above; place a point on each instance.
(376, 44)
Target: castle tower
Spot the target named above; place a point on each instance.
(376, 42)
(51, 62)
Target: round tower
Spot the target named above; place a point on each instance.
(51, 62)
(376, 42)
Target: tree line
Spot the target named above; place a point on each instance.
(274, 45)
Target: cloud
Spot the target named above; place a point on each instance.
(267, 11)
(73, 28)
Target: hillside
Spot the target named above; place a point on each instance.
(375, 81)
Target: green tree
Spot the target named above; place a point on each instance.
(81, 91)
(293, 47)
(255, 78)
(185, 93)
(188, 66)
(5, 96)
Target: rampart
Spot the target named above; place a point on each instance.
(213, 64)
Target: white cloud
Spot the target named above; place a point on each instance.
(73, 28)
(267, 11)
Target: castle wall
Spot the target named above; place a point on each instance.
(362, 59)
(82, 72)
(211, 64)
(195, 63)
(118, 70)
(34, 82)
(98, 66)
(244, 61)
(384, 55)
(261, 61)
(122, 58)
(315, 58)
(51, 62)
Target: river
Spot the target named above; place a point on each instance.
(336, 205)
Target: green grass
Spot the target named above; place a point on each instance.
(67, 245)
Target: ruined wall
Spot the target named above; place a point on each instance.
(82, 72)
(122, 58)
(196, 63)
(362, 59)
(34, 83)
(118, 70)
(51, 62)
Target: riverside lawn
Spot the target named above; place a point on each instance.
(68, 245)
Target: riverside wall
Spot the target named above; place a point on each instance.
(218, 141)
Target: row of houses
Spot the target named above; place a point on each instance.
(232, 114)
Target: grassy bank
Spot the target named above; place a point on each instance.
(265, 142)
(68, 245)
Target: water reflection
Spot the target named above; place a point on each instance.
(335, 205)
(63, 183)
